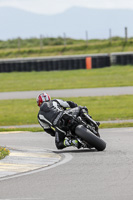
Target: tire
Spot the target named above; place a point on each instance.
(90, 138)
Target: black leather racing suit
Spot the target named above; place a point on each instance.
(49, 113)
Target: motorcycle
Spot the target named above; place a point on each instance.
(83, 128)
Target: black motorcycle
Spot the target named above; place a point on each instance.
(82, 128)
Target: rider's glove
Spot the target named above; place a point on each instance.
(84, 109)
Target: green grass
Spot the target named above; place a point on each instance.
(12, 129)
(21, 112)
(103, 77)
(3, 152)
(55, 46)
(117, 125)
(107, 125)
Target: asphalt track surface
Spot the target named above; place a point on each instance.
(70, 173)
(84, 174)
(70, 92)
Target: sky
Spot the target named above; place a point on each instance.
(57, 6)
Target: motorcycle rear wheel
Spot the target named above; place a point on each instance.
(90, 138)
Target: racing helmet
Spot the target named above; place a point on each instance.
(43, 97)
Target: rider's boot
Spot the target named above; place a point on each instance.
(69, 142)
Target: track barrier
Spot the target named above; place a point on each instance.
(65, 62)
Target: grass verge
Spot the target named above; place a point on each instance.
(54, 47)
(3, 152)
(103, 77)
(10, 129)
(22, 112)
(102, 126)
(116, 125)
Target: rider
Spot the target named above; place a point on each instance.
(50, 114)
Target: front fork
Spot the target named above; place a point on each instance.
(94, 123)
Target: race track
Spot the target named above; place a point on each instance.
(85, 174)
(36, 170)
(107, 91)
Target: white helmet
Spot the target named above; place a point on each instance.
(43, 97)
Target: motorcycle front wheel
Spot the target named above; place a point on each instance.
(90, 138)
